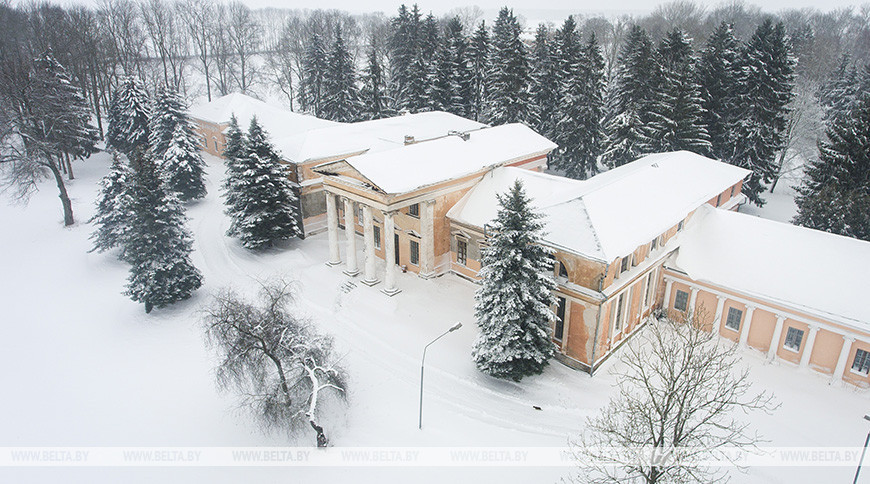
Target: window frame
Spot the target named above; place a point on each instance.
(733, 310)
(624, 265)
(789, 337)
(462, 252)
(559, 323)
(862, 356)
(414, 252)
(681, 225)
(685, 296)
(561, 270)
(377, 236)
(414, 210)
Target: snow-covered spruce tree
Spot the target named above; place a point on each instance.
(158, 244)
(129, 118)
(341, 100)
(65, 107)
(835, 193)
(114, 207)
(418, 87)
(628, 100)
(478, 63)
(676, 117)
(581, 105)
(314, 67)
(839, 94)
(507, 100)
(403, 45)
(452, 83)
(766, 88)
(174, 146)
(374, 96)
(266, 209)
(234, 152)
(545, 82)
(276, 359)
(719, 76)
(514, 300)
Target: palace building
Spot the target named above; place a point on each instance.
(416, 193)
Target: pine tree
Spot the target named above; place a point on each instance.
(64, 108)
(174, 146)
(766, 88)
(341, 99)
(265, 206)
(403, 45)
(235, 151)
(374, 96)
(580, 107)
(314, 67)
(418, 90)
(545, 82)
(514, 300)
(835, 193)
(676, 116)
(719, 76)
(628, 101)
(451, 88)
(510, 77)
(478, 59)
(840, 93)
(158, 245)
(129, 116)
(114, 207)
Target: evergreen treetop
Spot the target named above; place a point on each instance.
(129, 117)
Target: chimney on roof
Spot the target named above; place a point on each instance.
(462, 134)
(409, 140)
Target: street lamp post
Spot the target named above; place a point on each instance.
(866, 441)
(422, 366)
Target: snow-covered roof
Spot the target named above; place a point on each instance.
(277, 121)
(410, 167)
(370, 136)
(822, 273)
(611, 214)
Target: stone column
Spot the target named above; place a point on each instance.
(352, 269)
(332, 227)
(370, 278)
(744, 329)
(666, 304)
(837, 377)
(774, 340)
(808, 347)
(717, 318)
(390, 288)
(427, 239)
(693, 298)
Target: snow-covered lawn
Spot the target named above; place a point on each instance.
(82, 365)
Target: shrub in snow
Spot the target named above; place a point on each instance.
(274, 358)
(514, 300)
(678, 389)
(158, 245)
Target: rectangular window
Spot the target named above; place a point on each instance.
(793, 338)
(359, 214)
(216, 146)
(680, 225)
(681, 301)
(654, 244)
(377, 236)
(732, 191)
(415, 252)
(560, 319)
(718, 199)
(624, 266)
(618, 322)
(862, 362)
(461, 251)
(649, 282)
(414, 210)
(734, 317)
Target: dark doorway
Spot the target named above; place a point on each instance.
(396, 245)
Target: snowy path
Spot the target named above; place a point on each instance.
(84, 366)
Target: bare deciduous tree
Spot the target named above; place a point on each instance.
(678, 390)
(244, 34)
(274, 358)
(198, 17)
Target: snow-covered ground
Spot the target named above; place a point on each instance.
(82, 365)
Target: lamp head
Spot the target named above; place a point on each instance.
(454, 327)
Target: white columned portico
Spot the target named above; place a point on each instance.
(332, 228)
(693, 298)
(666, 304)
(717, 318)
(774, 340)
(390, 288)
(837, 377)
(808, 347)
(427, 241)
(370, 278)
(350, 233)
(747, 322)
